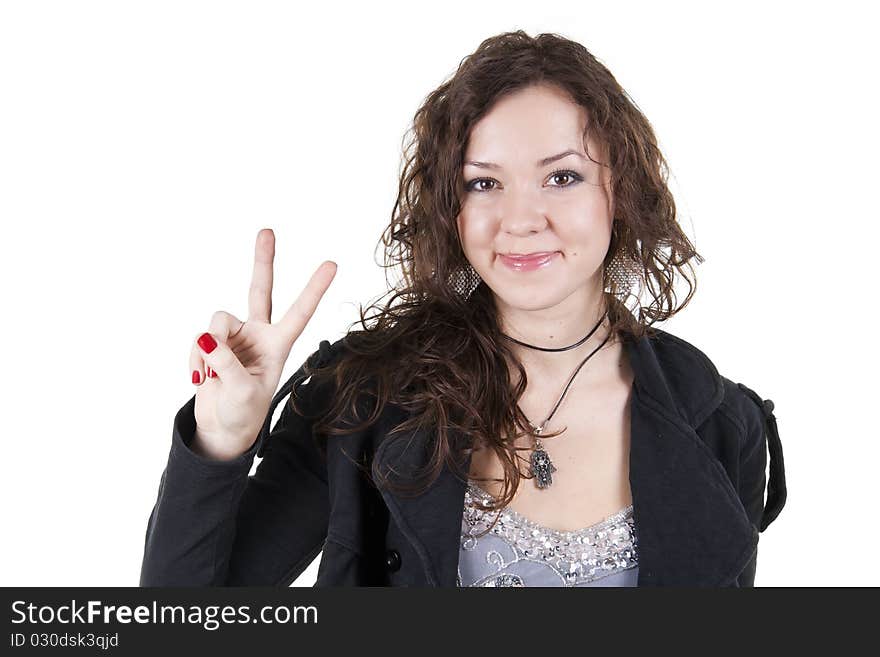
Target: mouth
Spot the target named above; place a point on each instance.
(528, 261)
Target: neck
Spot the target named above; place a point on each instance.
(559, 326)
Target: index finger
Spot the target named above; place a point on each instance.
(301, 311)
(260, 293)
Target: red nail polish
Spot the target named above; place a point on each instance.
(197, 377)
(212, 373)
(207, 342)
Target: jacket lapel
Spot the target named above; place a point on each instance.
(691, 527)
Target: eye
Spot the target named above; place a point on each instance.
(566, 173)
(558, 173)
(469, 187)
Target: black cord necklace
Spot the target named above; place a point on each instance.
(541, 467)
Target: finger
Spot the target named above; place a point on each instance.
(260, 294)
(298, 315)
(196, 364)
(217, 355)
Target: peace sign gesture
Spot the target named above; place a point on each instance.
(237, 365)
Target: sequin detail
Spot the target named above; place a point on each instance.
(531, 554)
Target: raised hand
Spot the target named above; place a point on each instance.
(237, 365)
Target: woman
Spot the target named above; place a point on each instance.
(509, 417)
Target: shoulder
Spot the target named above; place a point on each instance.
(327, 352)
(323, 359)
(319, 385)
(306, 389)
(700, 389)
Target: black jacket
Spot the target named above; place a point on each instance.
(698, 457)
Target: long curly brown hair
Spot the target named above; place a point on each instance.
(435, 353)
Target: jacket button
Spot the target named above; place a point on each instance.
(392, 560)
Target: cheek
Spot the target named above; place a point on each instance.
(582, 234)
(585, 237)
(588, 221)
(475, 233)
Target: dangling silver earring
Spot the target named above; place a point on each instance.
(622, 275)
(464, 280)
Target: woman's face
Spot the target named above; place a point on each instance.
(516, 204)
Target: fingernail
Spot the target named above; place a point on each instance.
(212, 373)
(197, 377)
(207, 342)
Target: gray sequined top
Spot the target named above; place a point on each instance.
(519, 552)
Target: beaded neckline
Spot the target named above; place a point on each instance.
(521, 520)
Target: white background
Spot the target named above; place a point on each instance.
(144, 144)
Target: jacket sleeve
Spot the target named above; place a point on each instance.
(760, 438)
(214, 525)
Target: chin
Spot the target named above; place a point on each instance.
(526, 298)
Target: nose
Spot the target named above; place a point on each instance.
(522, 213)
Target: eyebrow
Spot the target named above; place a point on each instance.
(540, 163)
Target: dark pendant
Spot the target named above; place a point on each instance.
(542, 468)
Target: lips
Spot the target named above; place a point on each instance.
(528, 262)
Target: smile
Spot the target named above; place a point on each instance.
(530, 262)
